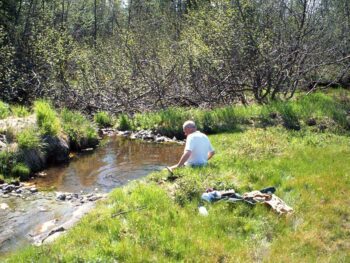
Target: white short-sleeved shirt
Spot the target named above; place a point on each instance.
(199, 145)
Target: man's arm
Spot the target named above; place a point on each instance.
(210, 154)
(182, 161)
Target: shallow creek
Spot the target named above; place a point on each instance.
(25, 218)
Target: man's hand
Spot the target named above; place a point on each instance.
(210, 154)
(182, 161)
(171, 168)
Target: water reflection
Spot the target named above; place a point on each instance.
(112, 165)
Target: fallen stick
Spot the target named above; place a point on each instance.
(128, 211)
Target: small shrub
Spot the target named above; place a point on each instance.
(124, 122)
(4, 110)
(21, 170)
(28, 139)
(47, 119)
(103, 119)
(20, 111)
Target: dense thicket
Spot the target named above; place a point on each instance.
(133, 55)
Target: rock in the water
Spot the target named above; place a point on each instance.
(8, 188)
(124, 133)
(33, 190)
(35, 159)
(160, 139)
(94, 198)
(61, 197)
(57, 149)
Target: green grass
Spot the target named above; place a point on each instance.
(77, 127)
(28, 139)
(263, 145)
(7, 162)
(47, 119)
(329, 112)
(103, 119)
(310, 170)
(21, 171)
(124, 123)
(4, 110)
(20, 111)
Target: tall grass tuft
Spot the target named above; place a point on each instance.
(20, 170)
(7, 161)
(124, 123)
(77, 127)
(103, 119)
(47, 119)
(28, 139)
(20, 111)
(4, 110)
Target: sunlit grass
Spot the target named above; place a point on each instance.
(4, 110)
(77, 127)
(103, 119)
(329, 112)
(47, 119)
(20, 111)
(161, 222)
(28, 139)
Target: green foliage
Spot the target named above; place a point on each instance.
(7, 161)
(4, 110)
(291, 114)
(47, 119)
(20, 111)
(103, 119)
(21, 170)
(77, 126)
(124, 122)
(28, 139)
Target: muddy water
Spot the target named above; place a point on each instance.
(116, 163)
(110, 166)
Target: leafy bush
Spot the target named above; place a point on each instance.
(28, 139)
(4, 110)
(21, 170)
(47, 119)
(103, 119)
(20, 111)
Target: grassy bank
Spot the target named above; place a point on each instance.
(157, 220)
(323, 111)
(31, 139)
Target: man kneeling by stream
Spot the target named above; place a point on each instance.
(198, 149)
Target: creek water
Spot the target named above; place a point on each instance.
(114, 164)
